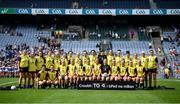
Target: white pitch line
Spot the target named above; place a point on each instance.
(8, 83)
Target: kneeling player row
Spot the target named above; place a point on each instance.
(62, 78)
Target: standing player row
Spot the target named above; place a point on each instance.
(87, 67)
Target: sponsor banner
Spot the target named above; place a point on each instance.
(7, 11)
(73, 11)
(90, 12)
(173, 11)
(158, 12)
(23, 11)
(141, 11)
(106, 85)
(123, 12)
(40, 11)
(107, 11)
(57, 11)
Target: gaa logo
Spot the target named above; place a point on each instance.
(39, 11)
(123, 12)
(23, 11)
(57, 11)
(140, 12)
(158, 12)
(90, 12)
(73, 11)
(176, 11)
(106, 11)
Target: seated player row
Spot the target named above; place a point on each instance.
(71, 74)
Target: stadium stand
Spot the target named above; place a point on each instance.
(171, 4)
(171, 49)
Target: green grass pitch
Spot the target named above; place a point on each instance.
(90, 96)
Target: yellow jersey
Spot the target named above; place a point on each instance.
(123, 70)
(140, 71)
(96, 69)
(63, 70)
(65, 60)
(79, 70)
(52, 75)
(109, 60)
(92, 59)
(71, 69)
(115, 70)
(166, 71)
(135, 61)
(131, 71)
(49, 61)
(152, 62)
(57, 61)
(32, 64)
(87, 70)
(144, 61)
(118, 60)
(42, 75)
(127, 60)
(69, 58)
(24, 61)
(84, 60)
(77, 59)
(40, 62)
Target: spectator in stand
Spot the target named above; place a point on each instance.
(162, 39)
(166, 73)
(163, 62)
(124, 36)
(170, 51)
(159, 50)
(116, 35)
(150, 45)
(177, 72)
(75, 4)
(101, 57)
(169, 38)
(132, 34)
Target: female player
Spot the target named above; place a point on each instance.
(42, 77)
(110, 58)
(88, 71)
(63, 74)
(52, 77)
(49, 60)
(140, 75)
(79, 71)
(57, 61)
(85, 57)
(123, 71)
(77, 58)
(71, 73)
(23, 64)
(135, 60)
(92, 57)
(40, 61)
(131, 72)
(32, 69)
(115, 71)
(96, 71)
